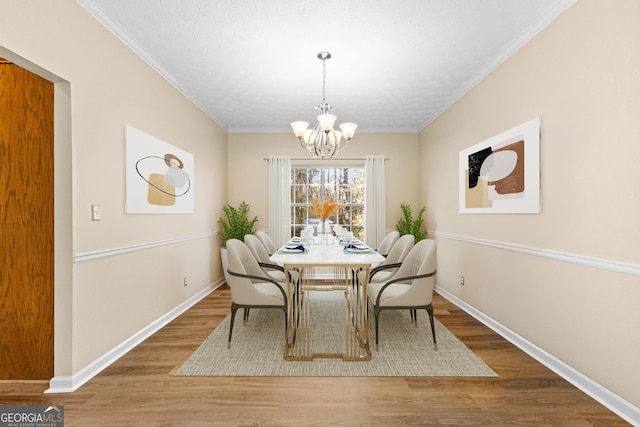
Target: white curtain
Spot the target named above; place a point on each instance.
(280, 199)
(374, 203)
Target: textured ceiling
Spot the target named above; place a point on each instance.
(397, 64)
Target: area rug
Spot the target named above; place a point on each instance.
(405, 351)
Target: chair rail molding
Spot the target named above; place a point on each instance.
(102, 253)
(604, 264)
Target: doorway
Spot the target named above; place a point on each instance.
(27, 215)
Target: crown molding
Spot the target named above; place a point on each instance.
(104, 19)
(518, 43)
(287, 130)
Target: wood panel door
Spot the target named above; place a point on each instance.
(26, 225)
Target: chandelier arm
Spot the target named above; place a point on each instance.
(313, 144)
(334, 151)
(344, 145)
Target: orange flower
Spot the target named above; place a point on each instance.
(322, 210)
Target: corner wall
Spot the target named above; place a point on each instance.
(568, 279)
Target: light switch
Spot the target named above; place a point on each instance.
(95, 212)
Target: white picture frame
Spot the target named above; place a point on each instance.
(502, 173)
(159, 176)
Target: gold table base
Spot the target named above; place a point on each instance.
(352, 281)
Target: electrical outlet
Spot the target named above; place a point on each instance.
(462, 280)
(186, 281)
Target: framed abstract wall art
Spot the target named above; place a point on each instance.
(502, 173)
(160, 177)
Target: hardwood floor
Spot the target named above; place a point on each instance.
(140, 390)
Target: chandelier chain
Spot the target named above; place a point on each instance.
(324, 78)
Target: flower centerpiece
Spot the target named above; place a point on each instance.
(322, 210)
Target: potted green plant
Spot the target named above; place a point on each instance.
(235, 226)
(408, 225)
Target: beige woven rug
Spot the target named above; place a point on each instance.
(257, 349)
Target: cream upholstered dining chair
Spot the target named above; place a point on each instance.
(394, 259)
(250, 287)
(275, 271)
(411, 287)
(387, 243)
(267, 242)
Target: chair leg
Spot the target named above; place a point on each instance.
(433, 329)
(245, 319)
(234, 308)
(376, 314)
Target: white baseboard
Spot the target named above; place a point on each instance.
(615, 403)
(606, 397)
(69, 384)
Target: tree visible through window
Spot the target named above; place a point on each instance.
(344, 185)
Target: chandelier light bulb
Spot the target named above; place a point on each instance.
(326, 121)
(348, 130)
(300, 128)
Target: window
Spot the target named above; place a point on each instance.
(344, 185)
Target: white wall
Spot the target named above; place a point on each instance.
(581, 75)
(114, 296)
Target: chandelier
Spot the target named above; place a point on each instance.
(322, 141)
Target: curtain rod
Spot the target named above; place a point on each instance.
(342, 158)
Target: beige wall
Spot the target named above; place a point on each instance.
(581, 75)
(113, 297)
(248, 173)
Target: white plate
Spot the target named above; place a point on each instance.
(292, 250)
(357, 250)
